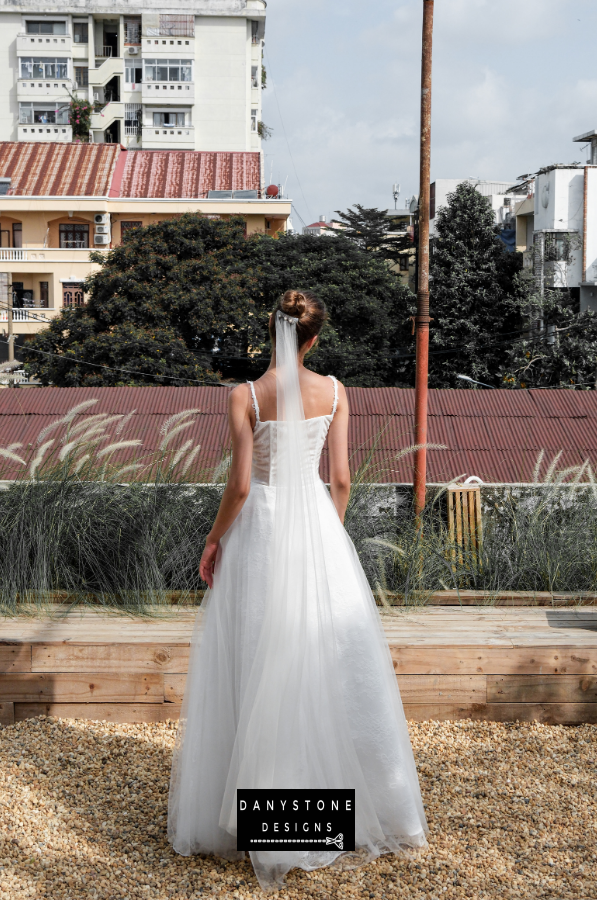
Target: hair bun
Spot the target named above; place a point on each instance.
(294, 303)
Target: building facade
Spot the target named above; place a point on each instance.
(556, 227)
(60, 201)
(184, 77)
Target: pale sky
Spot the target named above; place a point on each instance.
(514, 82)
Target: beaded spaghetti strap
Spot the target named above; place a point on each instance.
(255, 404)
(335, 394)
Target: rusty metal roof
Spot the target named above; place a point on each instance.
(496, 435)
(47, 169)
(188, 173)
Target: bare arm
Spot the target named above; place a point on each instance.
(239, 479)
(338, 451)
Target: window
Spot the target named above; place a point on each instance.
(255, 76)
(72, 293)
(168, 70)
(404, 261)
(73, 236)
(177, 26)
(132, 118)
(82, 76)
(133, 71)
(132, 30)
(21, 298)
(254, 32)
(4, 186)
(17, 234)
(46, 27)
(168, 119)
(43, 114)
(254, 114)
(44, 294)
(81, 32)
(125, 227)
(32, 67)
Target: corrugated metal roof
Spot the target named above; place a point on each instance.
(188, 173)
(495, 435)
(58, 170)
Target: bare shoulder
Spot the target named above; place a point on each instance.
(239, 398)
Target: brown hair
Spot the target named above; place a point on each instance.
(307, 308)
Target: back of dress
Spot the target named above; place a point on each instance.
(265, 439)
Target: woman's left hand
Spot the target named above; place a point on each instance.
(208, 561)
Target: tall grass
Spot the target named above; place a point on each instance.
(94, 517)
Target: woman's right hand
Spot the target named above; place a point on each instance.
(208, 561)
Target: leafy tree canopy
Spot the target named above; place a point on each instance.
(188, 300)
(560, 349)
(476, 292)
(373, 230)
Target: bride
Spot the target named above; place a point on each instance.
(290, 681)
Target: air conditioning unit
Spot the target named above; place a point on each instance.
(101, 239)
(102, 229)
(101, 219)
(133, 51)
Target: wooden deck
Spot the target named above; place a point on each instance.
(501, 664)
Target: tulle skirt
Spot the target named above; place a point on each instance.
(389, 808)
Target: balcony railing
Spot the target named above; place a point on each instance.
(12, 255)
(23, 315)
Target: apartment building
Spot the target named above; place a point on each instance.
(185, 75)
(556, 226)
(59, 201)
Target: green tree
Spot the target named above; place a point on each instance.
(189, 299)
(476, 293)
(367, 341)
(160, 304)
(373, 230)
(559, 349)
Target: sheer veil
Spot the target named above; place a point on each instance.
(294, 729)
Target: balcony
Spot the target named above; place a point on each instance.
(44, 44)
(166, 137)
(29, 89)
(44, 255)
(45, 133)
(25, 315)
(179, 47)
(168, 92)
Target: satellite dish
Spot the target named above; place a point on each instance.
(272, 190)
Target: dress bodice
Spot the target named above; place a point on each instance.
(265, 436)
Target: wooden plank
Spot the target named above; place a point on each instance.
(174, 688)
(442, 688)
(70, 657)
(102, 712)
(493, 661)
(7, 714)
(541, 689)
(72, 688)
(15, 657)
(546, 713)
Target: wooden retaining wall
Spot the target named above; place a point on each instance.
(451, 663)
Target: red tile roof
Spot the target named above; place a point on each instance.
(100, 170)
(496, 435)
(188, 174)
(47, 169)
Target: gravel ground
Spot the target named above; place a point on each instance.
(512, 811)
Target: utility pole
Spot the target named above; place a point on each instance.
(422, 317)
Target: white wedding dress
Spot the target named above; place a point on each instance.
(294, 691)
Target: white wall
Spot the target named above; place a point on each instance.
(591, 239)
(222, 74)
(12, 24)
